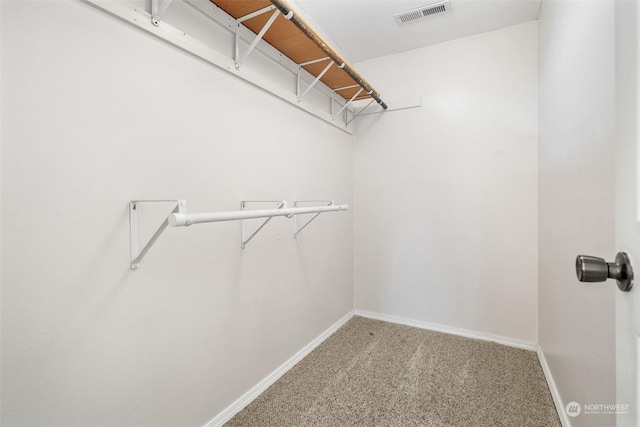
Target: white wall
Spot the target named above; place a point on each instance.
(627, 204)
(446, 194)
(576, 167)
(94, 114)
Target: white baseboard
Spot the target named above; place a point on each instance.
(448, 330)
(564, 419)
(255, 391)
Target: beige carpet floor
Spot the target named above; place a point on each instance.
(373, 373)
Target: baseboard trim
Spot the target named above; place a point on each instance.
(564, 419)
(259, 388)
(448, 330)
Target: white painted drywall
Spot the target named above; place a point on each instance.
(577, 176)
(627, 205)
(446, 194)
(96, 113)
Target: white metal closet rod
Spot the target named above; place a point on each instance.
(184, 219)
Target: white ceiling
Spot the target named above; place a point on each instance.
(365, 29)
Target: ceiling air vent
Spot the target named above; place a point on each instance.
(422, 12)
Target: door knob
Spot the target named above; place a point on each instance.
(593, 269)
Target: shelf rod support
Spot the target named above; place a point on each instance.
(295, 205)
(136, 257)
(360, 112)
(240, 20)
(346, 104)
(158, 8)
(303, 64)
(243, 241)
(333, 99)
(316, 80)
(255, 41)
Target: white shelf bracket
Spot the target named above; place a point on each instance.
(282, 204)
(361, 111)
(297, 230)
(241, 58)
(316, 80)
(346, 104)
(158, 8)
(137, 256)
(333, 100)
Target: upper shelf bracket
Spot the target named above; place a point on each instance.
(333, 101)
(137, 256)
(241, 58)
(346, 104)
(316, 80)
(360, 112)
(158, 8)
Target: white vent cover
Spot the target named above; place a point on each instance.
(422, 12)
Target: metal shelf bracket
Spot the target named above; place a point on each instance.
(241, 58)
(297, 230)
(316, 80)
(282, 204)
(361, 111)
(158, 8)
(347, 103)
(137, 256)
